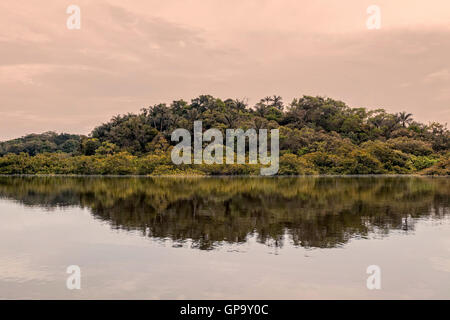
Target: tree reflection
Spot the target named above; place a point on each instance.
(320, 212)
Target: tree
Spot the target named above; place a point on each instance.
(276, 102)
(404, 118)
(89, 146)
(325, 133)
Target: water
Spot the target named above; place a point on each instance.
(224, 238)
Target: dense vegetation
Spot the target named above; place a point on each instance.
(317, 136)
(205, 212)
(47, 142)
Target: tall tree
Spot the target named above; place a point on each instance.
(404, 118)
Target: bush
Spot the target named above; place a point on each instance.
(393, 161)
(412, 146)
(121, 163)
(422, 162)
(365, 163)
(441, 168)
(291, 164)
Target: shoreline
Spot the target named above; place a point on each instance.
(228, 176)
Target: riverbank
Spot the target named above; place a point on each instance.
(160, 164)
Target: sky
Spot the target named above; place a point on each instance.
(132, 54)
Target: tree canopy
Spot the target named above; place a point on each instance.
(317, 135)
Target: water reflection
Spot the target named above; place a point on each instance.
(320, 212)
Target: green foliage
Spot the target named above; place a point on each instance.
(440, 168)
(393, 161)
(34, 144)
(365, 163)
(411, 146)
(318, 135)
(422, 162)
(291, 164)
(130, 132)
(90, 146)
(107, 148)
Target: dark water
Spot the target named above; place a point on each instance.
(274, 238)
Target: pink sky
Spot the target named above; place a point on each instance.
(132, 54)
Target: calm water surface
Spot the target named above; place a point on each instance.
(206, 238)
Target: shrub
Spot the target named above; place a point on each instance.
(442, 167)
(412, 146)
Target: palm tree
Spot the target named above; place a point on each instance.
(262, 106)
(259, 123)
(377, 121)
(231, 119)
(277, 102)
(240, 104)
(404, 118)
(267, 100)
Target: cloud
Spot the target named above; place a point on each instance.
(438, 76)
(126, 57)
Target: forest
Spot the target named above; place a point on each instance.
(318, 135)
